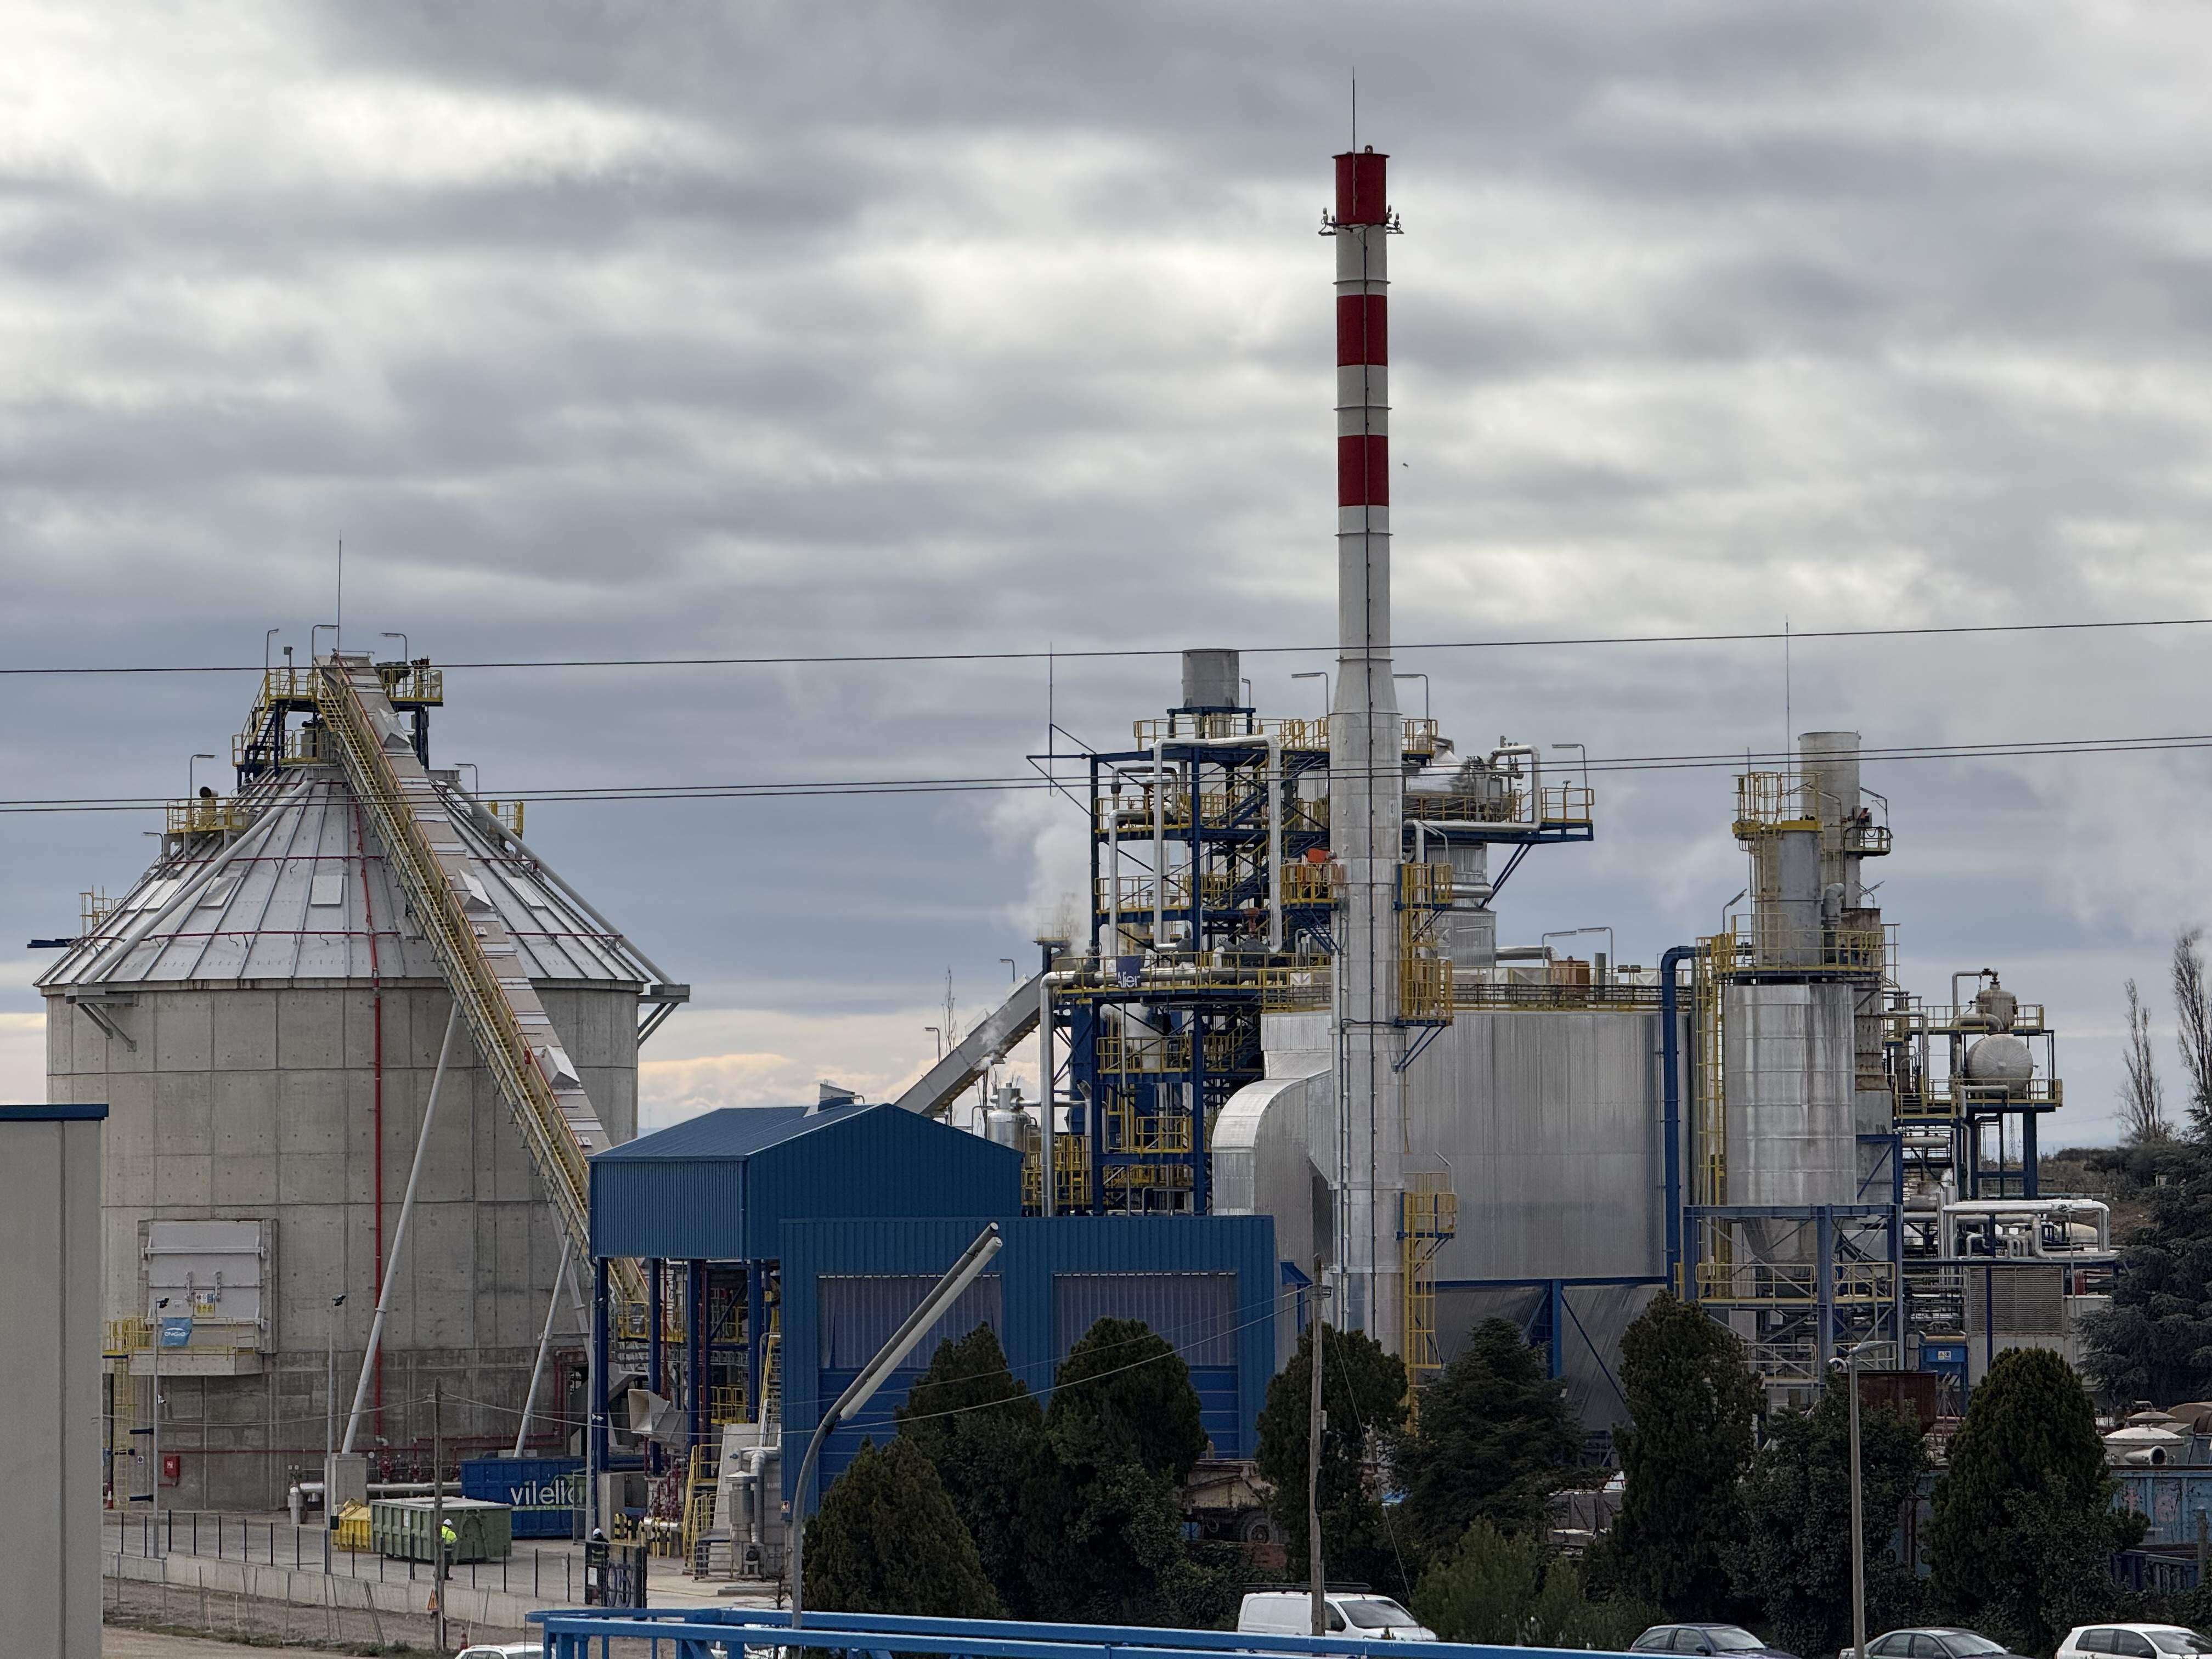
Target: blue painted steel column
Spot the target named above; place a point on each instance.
(1824, 1291)
(695, 1347)
(597, 1427)
(1201, 1196)
(2028, 1184)
(756, 1335)
(657, 1366)
(1555, 1357)
(1670, 1096)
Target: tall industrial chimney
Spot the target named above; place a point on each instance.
(1366, 776)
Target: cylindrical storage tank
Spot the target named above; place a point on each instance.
(264, 1019)
(1791, 1139)
(1786, 911)
(2002, 1058)
(1211, 679)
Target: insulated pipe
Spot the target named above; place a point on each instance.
(399, 1234)
(1670, 1096)
(1535, 774)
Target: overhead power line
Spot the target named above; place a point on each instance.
(800, 789)
(1747, 637)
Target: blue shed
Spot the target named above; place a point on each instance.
(1207, 1284)
(702, 1206)
(719, 1186)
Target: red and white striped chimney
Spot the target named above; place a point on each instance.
(1366, 781)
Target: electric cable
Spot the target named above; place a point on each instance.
(1744, 636)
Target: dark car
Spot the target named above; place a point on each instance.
(1711, 1640)
(1935, 1642)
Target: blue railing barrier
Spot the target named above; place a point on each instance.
(728, 1632)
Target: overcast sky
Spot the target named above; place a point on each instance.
(618, 330)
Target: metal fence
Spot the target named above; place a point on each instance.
(215, 1536)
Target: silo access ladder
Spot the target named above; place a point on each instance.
(446, 888)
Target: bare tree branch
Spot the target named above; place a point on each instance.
(2142, 1097)
(2192, 1019)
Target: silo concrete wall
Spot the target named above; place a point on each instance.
(259, 1102)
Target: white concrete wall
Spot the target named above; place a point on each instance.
(50, 1433)
(245, 1103)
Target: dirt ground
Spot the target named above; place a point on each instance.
(144, 1644)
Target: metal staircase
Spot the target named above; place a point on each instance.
(445, 890)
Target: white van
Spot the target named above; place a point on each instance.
(1290, 1613)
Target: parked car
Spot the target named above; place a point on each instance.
(1935, 1642)
(504, 1650)
(2133, 1641)
(1711, 1640)
(1290, 1613)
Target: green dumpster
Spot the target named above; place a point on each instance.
(401, 1528)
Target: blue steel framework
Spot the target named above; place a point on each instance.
(1150, 1056)
(723, 1632)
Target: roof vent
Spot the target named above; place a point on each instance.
(828, 1094)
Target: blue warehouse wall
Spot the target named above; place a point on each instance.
(1207, 1284)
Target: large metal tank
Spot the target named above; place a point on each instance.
(1791, 1135)
(263, 1018)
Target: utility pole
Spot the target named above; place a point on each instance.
(1848, 1368)
(438, 1515)
(154, 1487)
(1313, 1466)
(330, 1396)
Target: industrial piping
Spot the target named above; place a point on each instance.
(1670, 1115)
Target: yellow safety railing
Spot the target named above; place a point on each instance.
(92, 907)
(1424, 989)
(303, 746)
(412, 683)
(209, 815)
(1294, 990)
(1071, 1164)
(1943, 1098)
(127, 1336)
(508, 813)
(1716, 957)
(1420, 740)
(1505, 805)
(1568, 802)
(1772, 801)
(554, 1125)
(1307, 883)
(1755, 943)
(725, 1403)
(1152, 1052)
(1425, 886)
(1428, 1217)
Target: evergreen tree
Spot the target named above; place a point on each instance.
(1693, 1399)
(2024, 1522)
(1505, 1589)
(886, 1540)
(1492, 1443)
(2154, 1342)
(1123, 1387)
(1125, 1429)
(1364, 1401)
(984, 1433)
(1796, 1556)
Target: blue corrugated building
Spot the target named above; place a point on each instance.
(1207, 1284)
(820, 1228)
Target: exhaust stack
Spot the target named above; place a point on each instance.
(1366, 773)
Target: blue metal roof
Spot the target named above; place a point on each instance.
(719, 1186)
(733, 1131)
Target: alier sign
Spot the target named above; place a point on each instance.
(176, 1330)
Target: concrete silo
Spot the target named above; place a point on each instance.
(264, 1012)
